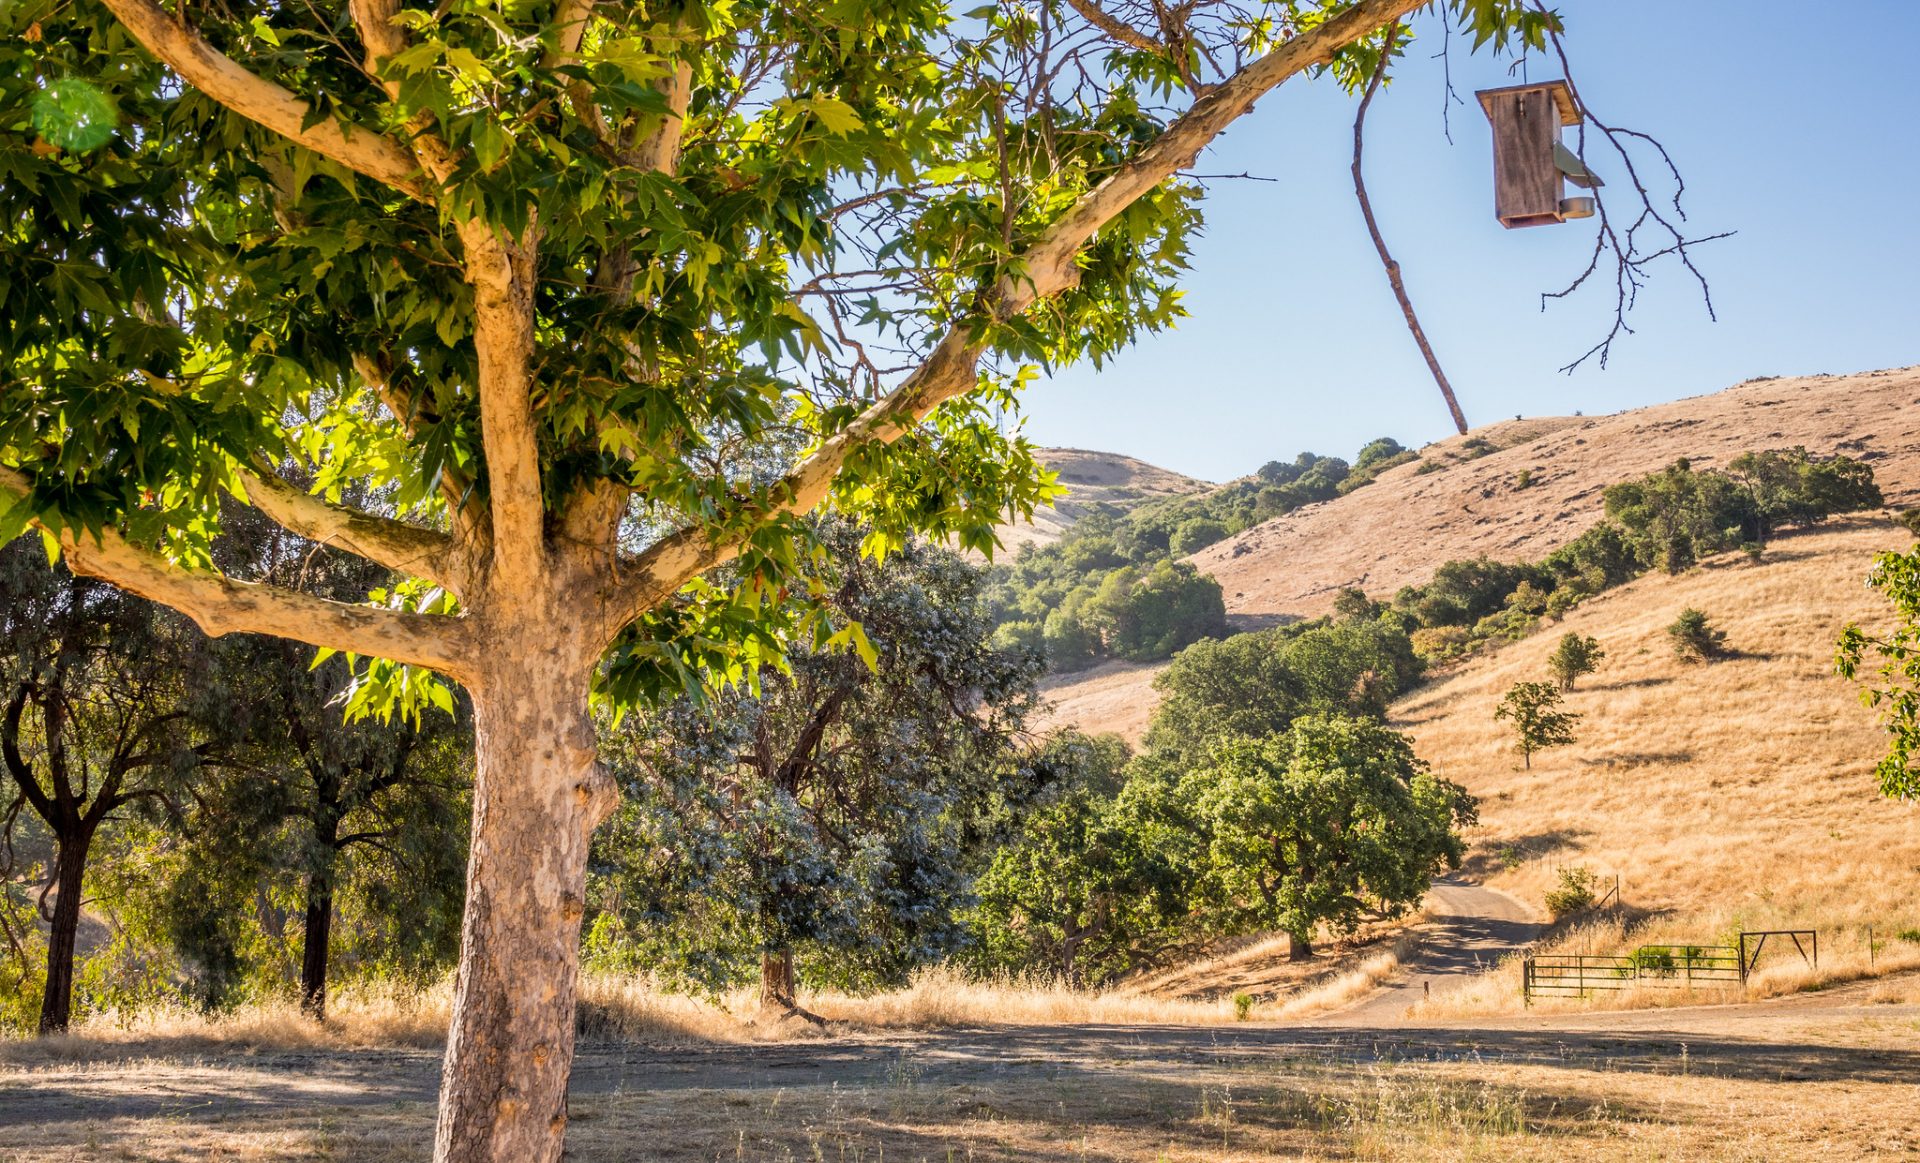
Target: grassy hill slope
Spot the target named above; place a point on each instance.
(1094, 479)
(1740, 790)
(1398, 530)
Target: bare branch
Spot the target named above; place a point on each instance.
(221, 605)
(952, 367)
(410, 550)
(1380, 243)
(260, 100)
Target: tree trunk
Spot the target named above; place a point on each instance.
(776, 980)
(70, 866)
(318, 932)
(538, 794)
(1299, 948)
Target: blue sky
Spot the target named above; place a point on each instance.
(1794, 125)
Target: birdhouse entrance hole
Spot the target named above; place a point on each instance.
(1530, 166)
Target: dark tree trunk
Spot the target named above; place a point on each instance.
(70, 865)
(1299, 948)
(318, 933)
(776, 979)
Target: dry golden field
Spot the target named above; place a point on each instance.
(1739, 792)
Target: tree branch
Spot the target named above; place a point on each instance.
(221, 605)
(952, 367)
(405, 548)
(1116, 28)
(383, 39)
(502, 277)
(259, 100)
(660, 151)
(1379, 241)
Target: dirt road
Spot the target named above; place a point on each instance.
(1471, 928)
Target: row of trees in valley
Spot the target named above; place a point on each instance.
(843, 820)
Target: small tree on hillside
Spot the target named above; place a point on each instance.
(1538, 722)
(1695, 639)
(1575, 656)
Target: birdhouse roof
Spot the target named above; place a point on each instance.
(1562, 96)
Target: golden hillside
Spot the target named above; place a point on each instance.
(1744, 786)
(1396, 531)
(1093, 479)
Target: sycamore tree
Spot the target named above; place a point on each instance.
(598, 300)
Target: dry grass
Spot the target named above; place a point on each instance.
(635, 1010)
(1739, 793)
(1727, 796)
(1117, 1099)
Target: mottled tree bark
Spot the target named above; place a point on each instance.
(776, 980)
(538, 794)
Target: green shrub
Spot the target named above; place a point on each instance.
(1910, 519)
(1242, 1006)
(1912, 935)
(1574, 893)
(1574, 657)
(1196, 535)
(1695, 639)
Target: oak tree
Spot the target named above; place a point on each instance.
(1575, 655)
(1335, 822)
(838, 812)
(1533, 708)
(597, 300)
(94, 723)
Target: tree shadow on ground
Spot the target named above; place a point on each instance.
(1504, 852)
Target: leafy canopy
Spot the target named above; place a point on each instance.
(737, 224)
(1533, 708)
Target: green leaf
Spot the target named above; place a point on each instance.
(835, 114)
(74, 115)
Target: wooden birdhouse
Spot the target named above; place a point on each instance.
(1530, 165)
